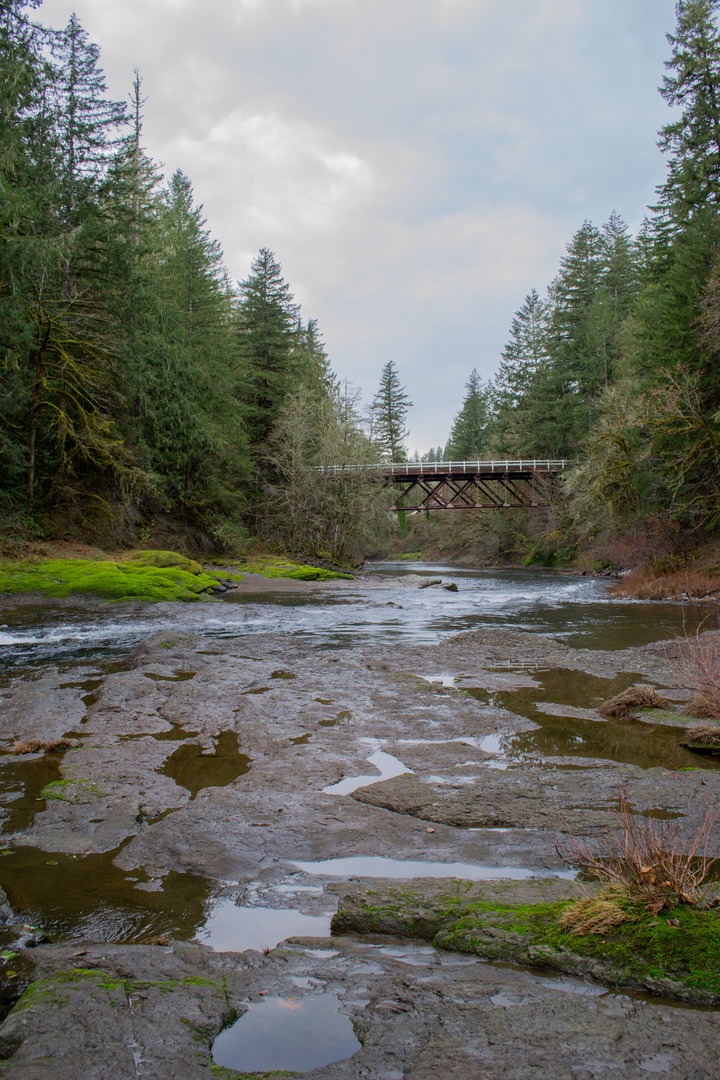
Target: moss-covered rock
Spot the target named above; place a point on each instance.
(152, 576)
(275, 567)
(677, 956)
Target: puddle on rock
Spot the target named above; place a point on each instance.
(509, 1000)
(175, 733)
(193, 769)
(564, 733)
(232, 928)
(301, 740)
(399, 869)
(88, 898)
(412, 955)
(387, 765)
(177, 676)
(86, 684)
(567, 985)
(257, 690)
(294, 1034)
(439, 680)
(27, 778)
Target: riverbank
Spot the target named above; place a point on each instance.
(213, 785)
(152, 576)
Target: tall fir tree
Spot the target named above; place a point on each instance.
(692, 142)
(267, 321)
(88, 122)
(469, 433)
(389, 411)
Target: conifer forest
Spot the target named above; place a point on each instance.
(148, 398)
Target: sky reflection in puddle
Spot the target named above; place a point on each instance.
(295, 1034)
(399, 869)
(232, 928)
(387, 765)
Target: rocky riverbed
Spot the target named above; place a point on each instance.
(220, 794)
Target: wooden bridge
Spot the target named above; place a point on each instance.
(470, 485)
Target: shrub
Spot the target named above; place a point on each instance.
(649, 585)
(698, 666)
(647, 863)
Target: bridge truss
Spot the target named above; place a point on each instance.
(473, 485)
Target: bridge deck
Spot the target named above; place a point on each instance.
(474, 468)
(473, 485)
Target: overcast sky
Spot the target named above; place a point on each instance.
(417, 166)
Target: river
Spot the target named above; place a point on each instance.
(383, 606)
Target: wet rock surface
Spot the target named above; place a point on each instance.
(495, 760)
(417, 1012)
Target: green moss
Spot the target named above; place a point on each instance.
(70, 790)
(39, 990)
(164, 559)
(272, 567)
(680, 951)
(131, 580)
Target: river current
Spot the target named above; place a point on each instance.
(384, 606)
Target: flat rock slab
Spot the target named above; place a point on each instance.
(565, 798)
(132, 1011)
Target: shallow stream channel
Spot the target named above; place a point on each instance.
(206, 778)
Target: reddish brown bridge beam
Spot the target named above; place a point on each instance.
(473, 485)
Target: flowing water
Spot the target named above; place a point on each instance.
(386, 608)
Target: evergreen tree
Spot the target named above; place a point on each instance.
(692, 142)
(314, 371)
(469, 432)
(524, 355)
(58, 364)
(24, 212)
(88, 122)
(183, 378)
(267, 320)
(388, 413)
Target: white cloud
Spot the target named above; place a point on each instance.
(416, 165)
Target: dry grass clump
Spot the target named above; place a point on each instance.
(593, 915)
(702, 735)
(697, 664)
(34, 746)
(680, 584)
(648, 863)
(637, 697)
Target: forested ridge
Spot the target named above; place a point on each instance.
(617, 366)
(146, 398)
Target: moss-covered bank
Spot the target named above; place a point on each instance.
(150, 576)
(143, 575)
(273, 566)
(677, 956)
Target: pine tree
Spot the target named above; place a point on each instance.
(88, 123)
(524, 355)
(389, 410)
(469, 432)
(692, 142)
(182, 381)
(314, 371)
(267, 321)
(24, 212)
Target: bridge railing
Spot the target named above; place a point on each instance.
(430, 468)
